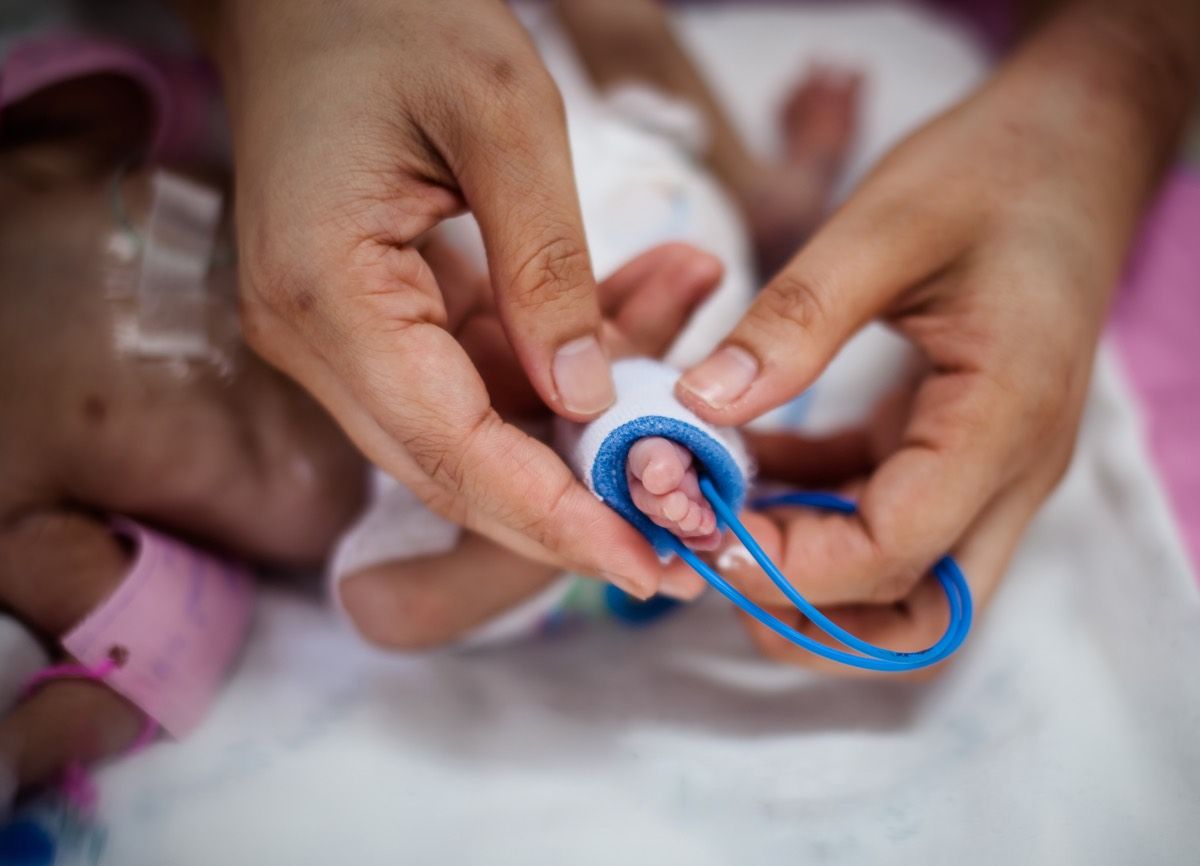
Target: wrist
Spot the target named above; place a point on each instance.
(1113, 83)
(242, 36)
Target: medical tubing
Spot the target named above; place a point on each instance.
(866, 655)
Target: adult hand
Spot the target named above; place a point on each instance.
(991, 239)
(358, 127)
(645, 304)
(427, 603)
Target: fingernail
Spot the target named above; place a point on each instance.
(683, 587)
(734, 558)
(582, 377)
(723, 377)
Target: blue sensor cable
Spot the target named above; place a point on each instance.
(865, 655)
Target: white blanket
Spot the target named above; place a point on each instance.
(1064, 733)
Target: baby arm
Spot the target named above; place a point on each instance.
(55, 567)
(425, 602)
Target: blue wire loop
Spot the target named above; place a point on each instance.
(865, 655)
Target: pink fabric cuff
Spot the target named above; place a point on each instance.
(180, 92)
(174, 626)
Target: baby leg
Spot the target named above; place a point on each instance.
(54, 568)
(622, 41)
(785, 201)
(434, 600)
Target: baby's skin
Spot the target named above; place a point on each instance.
(665, 487)
(219, 449)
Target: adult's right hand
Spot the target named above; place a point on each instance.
(359, 126)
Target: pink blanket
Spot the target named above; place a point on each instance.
(1156, 324)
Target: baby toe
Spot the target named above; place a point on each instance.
(675, 506)
(659, 464)
(705, 543)
(690, 522)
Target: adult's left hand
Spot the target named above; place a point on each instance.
(991, 239)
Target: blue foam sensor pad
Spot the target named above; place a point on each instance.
(723, 486)
(611, 485)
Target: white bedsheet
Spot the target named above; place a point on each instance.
(1065, 733)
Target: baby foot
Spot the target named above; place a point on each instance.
(788, 200)
(818, 119)
(665, 487)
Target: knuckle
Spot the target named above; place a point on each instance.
(272, 294)
(968, 423)
(508, 110)
(536, 512)
(793, 302)
(446, 503)
(1042, 402)
(445, 455)
(893, 574)
(543, 94)
(1052, 399)
(268, 271)
(553, 276)
(506, 90)
(894, 584)
(543, 526)
(431, 452)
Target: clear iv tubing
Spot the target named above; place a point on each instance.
(868, 656)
